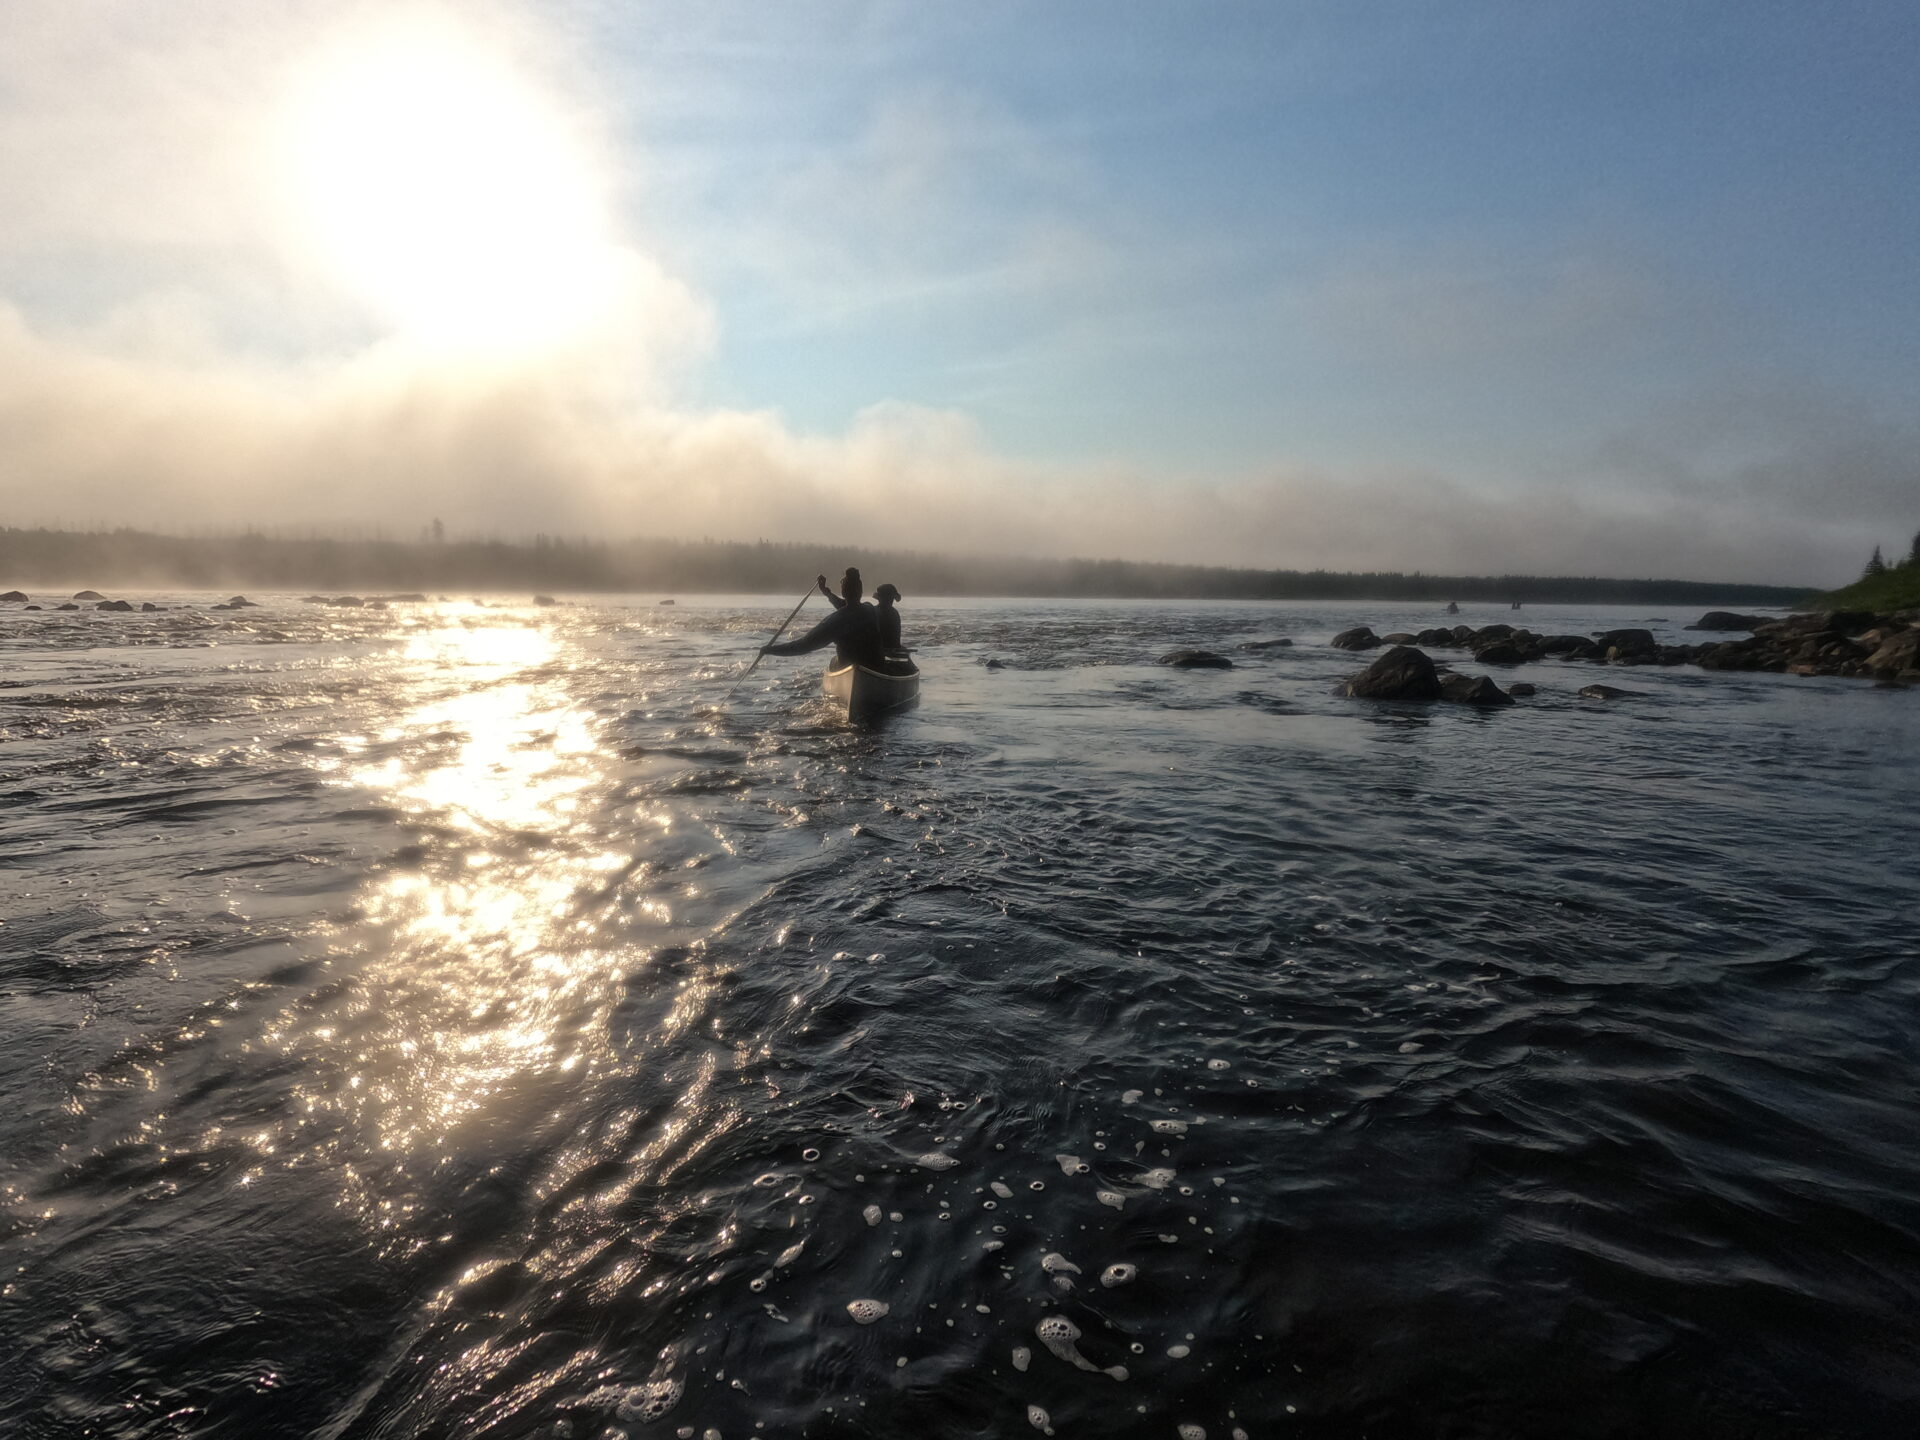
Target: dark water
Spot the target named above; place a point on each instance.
(440, 1022)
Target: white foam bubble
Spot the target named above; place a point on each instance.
(865, 1312)
(1037, 1185)
(1193, 1432)
(809, 1154)
(1058, 1333)
(1054, 1263)
(1219, 1064)
(993, 1245)
(1071, 1164)
(1130, 1097)
(1000, 1189)
(1118, 1372)
(1157, 1179)
(1179, 1352)
(1169, 1127)
(1022, 1357)
(934, 1160)
(789, 1255)
(1119, 1274)
(1039, 1419)
(871, 1214)
(1110, 1197)
(649, 1402)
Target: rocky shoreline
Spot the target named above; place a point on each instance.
(1852, 643)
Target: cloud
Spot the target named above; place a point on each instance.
(170, 356)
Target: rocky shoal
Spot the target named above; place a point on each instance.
(1854, 643)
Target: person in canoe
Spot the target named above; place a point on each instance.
(885, 598)
(852, 629)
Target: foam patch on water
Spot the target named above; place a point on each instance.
(1130, 1097)
(1071, 1164)
(1110, 1197)
(1219, 1064)
(649, 1402)
(1120, 1274)
(1158, 1179)
(934, 1160)
(1169, 1127)
(865, 1312)
(1193, 1432)
(1058, 1333)
(1179, 1352)
(872, 1214)
(1054, 1263)
(1022, 1357)
(1039, 1419)
(1000, 1189)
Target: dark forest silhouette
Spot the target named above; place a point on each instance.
(651, 566)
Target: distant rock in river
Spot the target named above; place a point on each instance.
(1196, 660)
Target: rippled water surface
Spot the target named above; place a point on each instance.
(458, 1021)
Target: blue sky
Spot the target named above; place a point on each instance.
(1607, 287)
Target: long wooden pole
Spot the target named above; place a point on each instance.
(761, 654)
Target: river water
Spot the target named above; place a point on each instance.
(457, 1021)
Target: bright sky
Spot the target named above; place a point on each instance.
(1611, 288)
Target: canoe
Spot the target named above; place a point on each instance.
(867, 694)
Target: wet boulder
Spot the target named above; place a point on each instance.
(88, 595)
(1727, 620)
(1605, 692)
(147, 607)
(1435, 636)
(241, 602)
(1487, 634)
(15, 597)
(1500, 652)
(1896, 653)
(1472, 690)
(669, 602)
(1462, 634)
(1196, 660)
(545, 600)
(1622, 644)
(119, 607)
(1399, 637)
(347, 602)
(1402, 673)
(1279, 644)
(69, 605)
(1521, 690)
(1360, 637)
(1567, 645)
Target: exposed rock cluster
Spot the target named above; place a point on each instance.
(1856, 643)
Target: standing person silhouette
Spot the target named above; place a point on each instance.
(885, 598)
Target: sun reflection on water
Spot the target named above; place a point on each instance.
(493, 964)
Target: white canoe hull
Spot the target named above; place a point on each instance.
(866, 694)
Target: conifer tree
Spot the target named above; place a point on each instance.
(1913, 555)
(1875, 566)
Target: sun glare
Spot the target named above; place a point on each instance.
(445, 191)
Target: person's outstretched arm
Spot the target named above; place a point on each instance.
(838, 603)
(818, 638)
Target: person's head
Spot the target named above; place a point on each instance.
(886, 594)
(850, 586)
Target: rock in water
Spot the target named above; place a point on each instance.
(1615, 643)
(1196, 660)
(88, 595)
(1605, 692)
(1474, 690)
(1403, 673)
(1520, 690)
(1727, 620)
(1360, 637)
(15, 597)
(1896, 653)
(1500, 652)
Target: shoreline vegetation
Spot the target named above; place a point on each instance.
(252, 559)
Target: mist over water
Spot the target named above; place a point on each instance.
(452, 1021)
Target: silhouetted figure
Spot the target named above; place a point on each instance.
(852, 629)
(1453, 606)
(885, 598)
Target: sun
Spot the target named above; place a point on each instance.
(446, 191)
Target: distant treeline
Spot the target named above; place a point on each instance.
(122, 558)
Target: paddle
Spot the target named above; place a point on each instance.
(762, 654)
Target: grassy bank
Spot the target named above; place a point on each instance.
(1894, 589)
